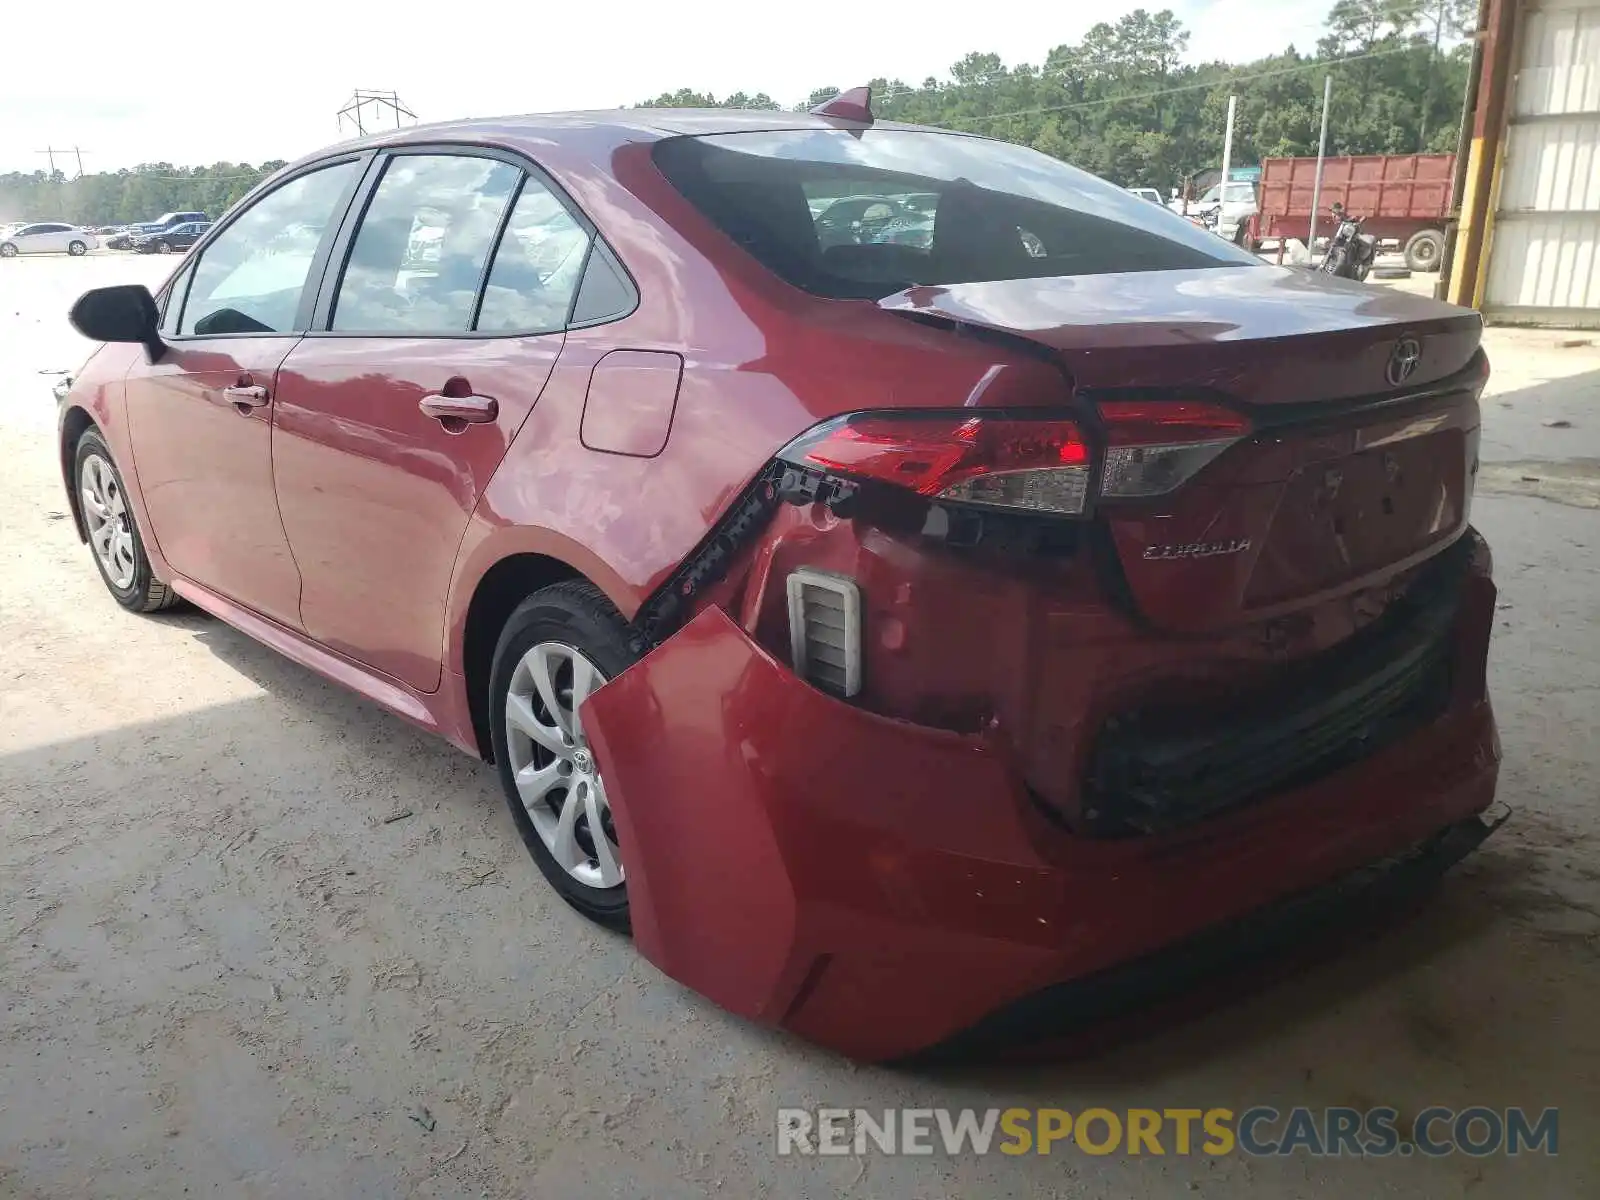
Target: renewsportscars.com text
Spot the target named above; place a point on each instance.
(1259, 1131)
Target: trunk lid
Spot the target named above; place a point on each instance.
(1364, 406)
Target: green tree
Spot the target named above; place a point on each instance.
(122, 197)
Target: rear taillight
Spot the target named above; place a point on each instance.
(1037, 465)
(1030, 464)
(1153, 447)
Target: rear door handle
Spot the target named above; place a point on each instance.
(475, 410)
(246, 395)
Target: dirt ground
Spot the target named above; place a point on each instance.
(226, 971)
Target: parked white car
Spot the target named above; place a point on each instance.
(1146, 193)
(48, 237)
(1237, 208)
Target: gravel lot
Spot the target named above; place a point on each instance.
(226, 971)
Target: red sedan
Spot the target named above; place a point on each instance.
(914, 645)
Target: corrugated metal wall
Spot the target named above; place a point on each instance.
(1544, 259)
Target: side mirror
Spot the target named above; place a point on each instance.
(125, 313)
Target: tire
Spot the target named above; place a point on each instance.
(566, 619)
(77, 249)
(136, 588)
(163, 247)
(1424, 249)
(7, 250)
(1333, 262)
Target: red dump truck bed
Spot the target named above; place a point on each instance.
(1403, 197)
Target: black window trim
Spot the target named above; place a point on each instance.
(171, 299)
(333, 268)
(308, 290)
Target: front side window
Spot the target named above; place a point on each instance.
(172, 301)
(537, 267)
(420, 252)
(250, 279)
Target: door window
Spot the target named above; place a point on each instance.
(537, 266)
(419, 255)
(250, 279)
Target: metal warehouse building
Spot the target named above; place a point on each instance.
(1526, 247)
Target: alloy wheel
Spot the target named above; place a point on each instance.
(556, 776)
(105, 510)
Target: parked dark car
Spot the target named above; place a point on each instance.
(908, 643)
(177, 237)
(171, 219)
(131, 233)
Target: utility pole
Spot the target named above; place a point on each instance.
(1227, 151)
(355, 109)
(50, 152)
(1322, 153)
(1433, 70)
(79, 153)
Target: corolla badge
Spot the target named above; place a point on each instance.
(1403, 360)
(1197, 549)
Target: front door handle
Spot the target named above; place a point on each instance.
(246, 395)
(474, 410)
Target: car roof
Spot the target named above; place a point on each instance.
(600, 131)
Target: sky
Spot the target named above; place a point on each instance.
(219, 87)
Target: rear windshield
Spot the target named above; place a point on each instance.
(867, 214)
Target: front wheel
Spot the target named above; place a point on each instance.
(77, 249)
(113, 535)
(163, 247)
(7, 250)
(561, 645)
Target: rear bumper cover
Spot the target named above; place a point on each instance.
(881, 887)
(1374, 891)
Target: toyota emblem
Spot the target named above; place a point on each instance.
(1403, 360)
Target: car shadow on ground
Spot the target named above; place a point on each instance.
(337, 709)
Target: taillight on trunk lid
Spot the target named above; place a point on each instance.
(1025, 463)
(1154, 447)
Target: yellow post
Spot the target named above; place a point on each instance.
(1481, 186)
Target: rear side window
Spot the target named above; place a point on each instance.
(606, 291)
(423, 244)
(867, 214)
(249, 280)
(537, 266)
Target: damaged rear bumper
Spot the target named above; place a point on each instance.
(881, 887)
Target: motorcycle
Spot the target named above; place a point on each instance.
(1351, 253)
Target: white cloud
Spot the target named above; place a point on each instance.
(247, 83)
